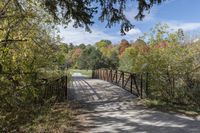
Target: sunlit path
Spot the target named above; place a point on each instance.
(110, 109)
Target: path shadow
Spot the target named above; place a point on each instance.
(115, 111)
(140, 121)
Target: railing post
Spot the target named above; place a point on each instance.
(141, 85)
(106, 74)
(101, 73)
(93, 73)
(122, 79)
(116, 76)
(66, 89)
(98, 73)
(136, 85)
(131, 83)
(147, 84)
(111, 75)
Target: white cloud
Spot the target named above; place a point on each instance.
(79, 35)
(132, 35)
(134, 32)
(185, 26)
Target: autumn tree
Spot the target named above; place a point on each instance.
(82, 46)
(123, 45)
(173, 68)
(90, 58)
(103, 44)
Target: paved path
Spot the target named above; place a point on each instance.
(110, 109)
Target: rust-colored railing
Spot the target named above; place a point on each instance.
(58, 88)
(47, 88)
(137, 84)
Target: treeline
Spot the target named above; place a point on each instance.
(173, 63)
(102, 54)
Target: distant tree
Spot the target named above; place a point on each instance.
(103, 44)
(123, 45)
(140, 45)
(64, 47)
(139, 42)
(114, 61)
(161, 35)
(90, 58)
(82, 46)
(71, 46)
(76, 53)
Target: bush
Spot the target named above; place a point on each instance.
(174, 72)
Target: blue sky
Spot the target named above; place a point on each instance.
(176, 13)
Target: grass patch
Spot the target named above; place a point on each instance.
(87, 73)
(171, 108)
(56, 118)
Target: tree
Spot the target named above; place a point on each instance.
(173, 69)
(81, 12)
(90, 58)
(64, 47)
(82, 46)
(123, 45)
(140, 45)
(103, 44)
(71, 46)
(161, 35)
(114, 61)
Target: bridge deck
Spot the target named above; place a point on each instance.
(110, 109)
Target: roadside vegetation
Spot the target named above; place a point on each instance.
(170, 107)
(30, 60)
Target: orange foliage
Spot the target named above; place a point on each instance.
(162, 44)
(123, 45)
(141, 46)
(77, 53)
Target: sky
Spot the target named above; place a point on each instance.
(176, 13)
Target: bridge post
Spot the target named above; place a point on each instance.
(141, 85)
(116, 76)
(93, 73)
(111, 75)
(66, 88)
(147, 84)
(131, 83)
(106, 74)
(100, 74)
(122, 73)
